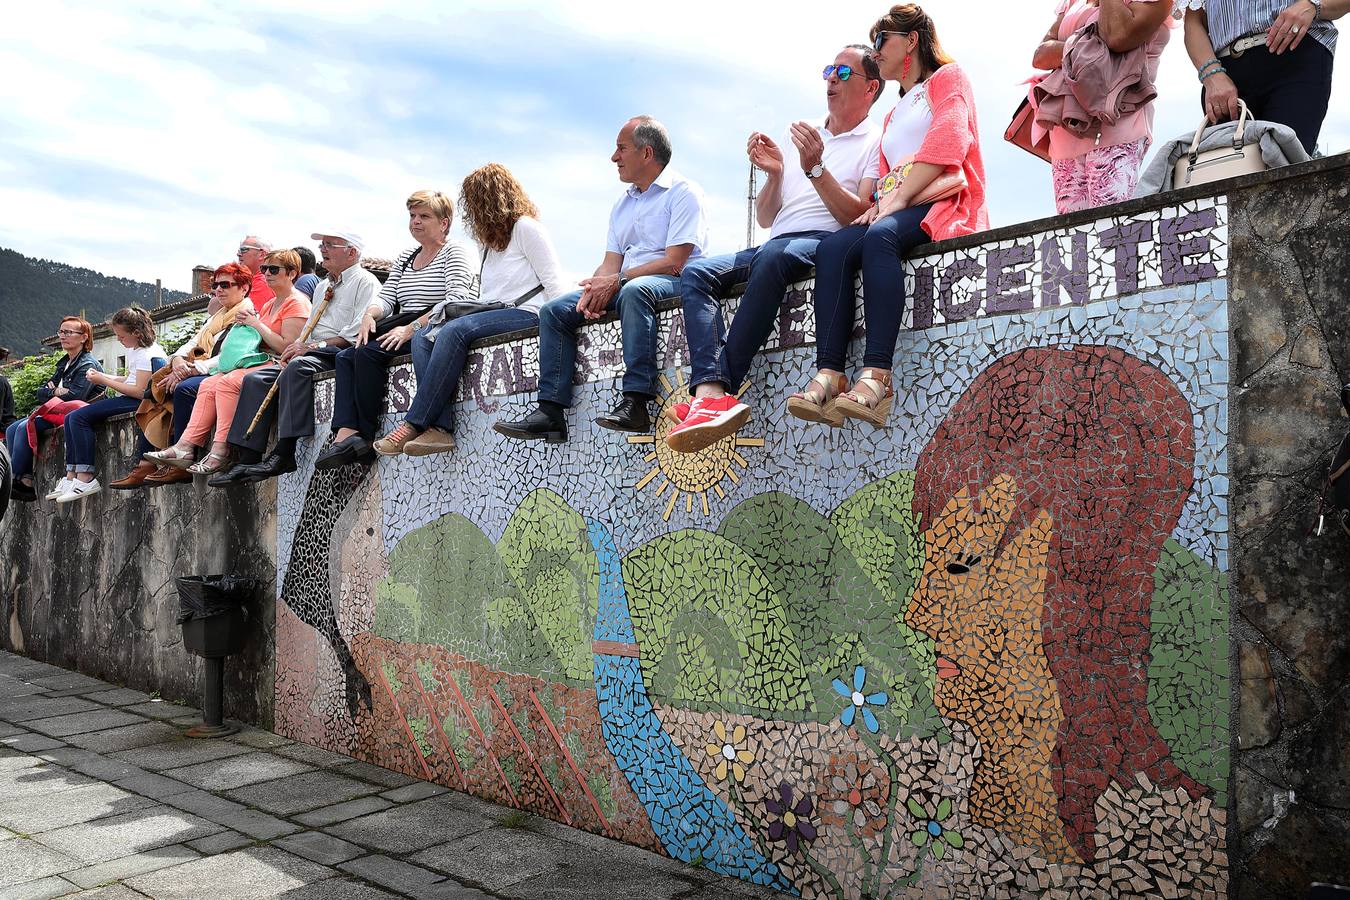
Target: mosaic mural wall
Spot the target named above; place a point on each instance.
(978, 653)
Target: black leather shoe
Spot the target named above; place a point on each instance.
(541, 424)
(630, 415)
(230, 476)
(352, 450)
(24, 493)
(273, 465)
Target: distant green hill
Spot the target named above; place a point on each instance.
(36, 293)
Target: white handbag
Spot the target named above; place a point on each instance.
(1198, 167)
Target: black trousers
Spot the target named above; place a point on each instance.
(293, 406)
(1293, 89)
(361, 379)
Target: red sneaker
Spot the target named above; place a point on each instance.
(678, 413)
(709, 420)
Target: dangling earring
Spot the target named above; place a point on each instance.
(904, 68)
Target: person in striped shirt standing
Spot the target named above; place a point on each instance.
(437, 270)
(1273, 54)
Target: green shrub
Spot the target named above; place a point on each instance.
(26, 378)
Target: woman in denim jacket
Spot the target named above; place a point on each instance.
(70, 381)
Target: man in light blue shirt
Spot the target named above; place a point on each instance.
(656, 227)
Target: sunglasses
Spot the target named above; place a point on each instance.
(272, 270)
(222, 285)
(881, 38)
(843, 71)
(246, 248)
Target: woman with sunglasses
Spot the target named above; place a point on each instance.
(520, 274)
(135, 331)
(931, 134)
(436, 271)
(70, 381)
(188, 367)
(276, 326)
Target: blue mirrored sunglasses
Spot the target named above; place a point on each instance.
(844, 72)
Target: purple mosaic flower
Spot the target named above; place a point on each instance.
(859, 701)
(791, 824)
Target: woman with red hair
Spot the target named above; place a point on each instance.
(254, 338)
(1046, 496)
(70, 381)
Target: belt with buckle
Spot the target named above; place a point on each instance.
(1242, 44)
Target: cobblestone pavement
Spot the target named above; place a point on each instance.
(102, 797)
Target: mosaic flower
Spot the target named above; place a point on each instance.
(930, 831)
(859, 701)
(856, 795)
(728, 753)
(791, 824)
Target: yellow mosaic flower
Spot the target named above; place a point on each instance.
(728, 753)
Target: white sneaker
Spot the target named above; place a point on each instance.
(61, 487)
(79, 490)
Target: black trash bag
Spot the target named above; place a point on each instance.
(200, 596)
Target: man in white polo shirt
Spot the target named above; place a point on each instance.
(655, 228)
(825, 183)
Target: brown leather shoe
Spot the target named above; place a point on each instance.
(135, 478)
(433, 440)
(168, 475)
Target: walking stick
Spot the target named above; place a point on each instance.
(304, 336)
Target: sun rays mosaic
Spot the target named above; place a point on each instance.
(981, 652)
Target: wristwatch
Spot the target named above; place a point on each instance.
(623, 279)
(320, 345)
(816, 171)
(1317, 9)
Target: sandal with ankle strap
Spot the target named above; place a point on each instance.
(170, 456)
(211, 463)
(812, 406)
(872, 404)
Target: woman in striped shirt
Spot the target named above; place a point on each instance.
(520, 273)
(434, 272)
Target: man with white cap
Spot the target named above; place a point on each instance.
(339, 302)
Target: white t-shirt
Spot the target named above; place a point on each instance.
(908, 126)
(850, 157)
(528, 260)
(140, 359)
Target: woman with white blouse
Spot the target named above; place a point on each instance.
(520, 274)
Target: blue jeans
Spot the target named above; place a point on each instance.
(717, 354)
(16, 439)
(877, 249)
(438, 362)
(184, 399)
(558, 323)
(80, 430)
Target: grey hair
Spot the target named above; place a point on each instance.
(651, 133)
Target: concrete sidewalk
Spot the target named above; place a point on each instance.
(101, 796)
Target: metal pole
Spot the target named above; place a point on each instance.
(750, 210)
(213, 702)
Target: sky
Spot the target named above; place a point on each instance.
(142, 138)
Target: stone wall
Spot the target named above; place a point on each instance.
(989, 650)
(90, 585)
(1291, 629)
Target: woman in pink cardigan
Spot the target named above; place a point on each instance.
(931, 133)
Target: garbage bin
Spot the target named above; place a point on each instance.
(213, 612)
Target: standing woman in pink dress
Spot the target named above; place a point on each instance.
(1094, 170)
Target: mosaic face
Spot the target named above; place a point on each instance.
(981, 601)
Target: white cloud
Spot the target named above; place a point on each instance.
(143, 138)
